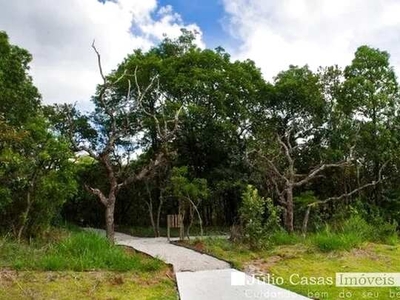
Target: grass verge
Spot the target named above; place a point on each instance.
(297, 267)
(80, 265)
(99, 285)
(76, 251)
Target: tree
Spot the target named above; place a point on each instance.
(115, 124)
(190, 193)
(218, 96)
(289, 142)
(36, 176)
(370, 96)
(19, 98)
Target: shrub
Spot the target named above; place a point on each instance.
(259, 218)
(251, 216)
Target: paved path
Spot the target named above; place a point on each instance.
(203, 277)
(181, 258)
(228, 284)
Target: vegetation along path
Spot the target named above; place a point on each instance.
(203, 277)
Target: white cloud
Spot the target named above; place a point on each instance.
(277, 33)
(59, 36)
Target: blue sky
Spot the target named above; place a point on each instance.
(208, 14)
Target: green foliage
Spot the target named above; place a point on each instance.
(182, 187)
(251, 215)
(257, 227)
(36, 176)
(272, 222)
(19, 98)
(229, 116)
(40, 177)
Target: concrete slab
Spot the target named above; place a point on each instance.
(228, 284)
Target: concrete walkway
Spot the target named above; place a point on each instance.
(203, 277)
(181, 258)
(228, 284)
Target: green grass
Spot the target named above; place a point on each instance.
(75, 264)
(76, 251)
(308, 258)
(327, 241)
(99, 285)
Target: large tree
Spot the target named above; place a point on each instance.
(218, 96)
(36, 176)
(110, 133)
(370, 100)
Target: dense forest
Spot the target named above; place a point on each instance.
(179, 129)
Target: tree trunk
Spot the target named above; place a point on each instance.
(160, 204)
(24, 219)
(153, 223)
(289, 219)
(181, 227)
(150, 207)
(305, 221)
(191, 216)
(110, 220)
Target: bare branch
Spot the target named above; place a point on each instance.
(275, 170)
(97, 193)
(315, 172)
(143, 172)
(279, 193)
(99, 62)
(286, 148)
(373, 183)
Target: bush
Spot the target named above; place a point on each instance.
(251, 216)
(259, 218)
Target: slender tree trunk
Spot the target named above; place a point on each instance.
(198, 214)
(25, 215)
(110, 220)
(153, 223)
(150, 208)
(305, 221)
(289, 219)
(182, 214)
(191, 216)
(160, 204)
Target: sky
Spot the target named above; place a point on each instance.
(273, 33)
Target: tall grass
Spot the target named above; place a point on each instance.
(80, 251)
(354, 232)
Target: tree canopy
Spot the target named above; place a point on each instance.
(182, 129)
